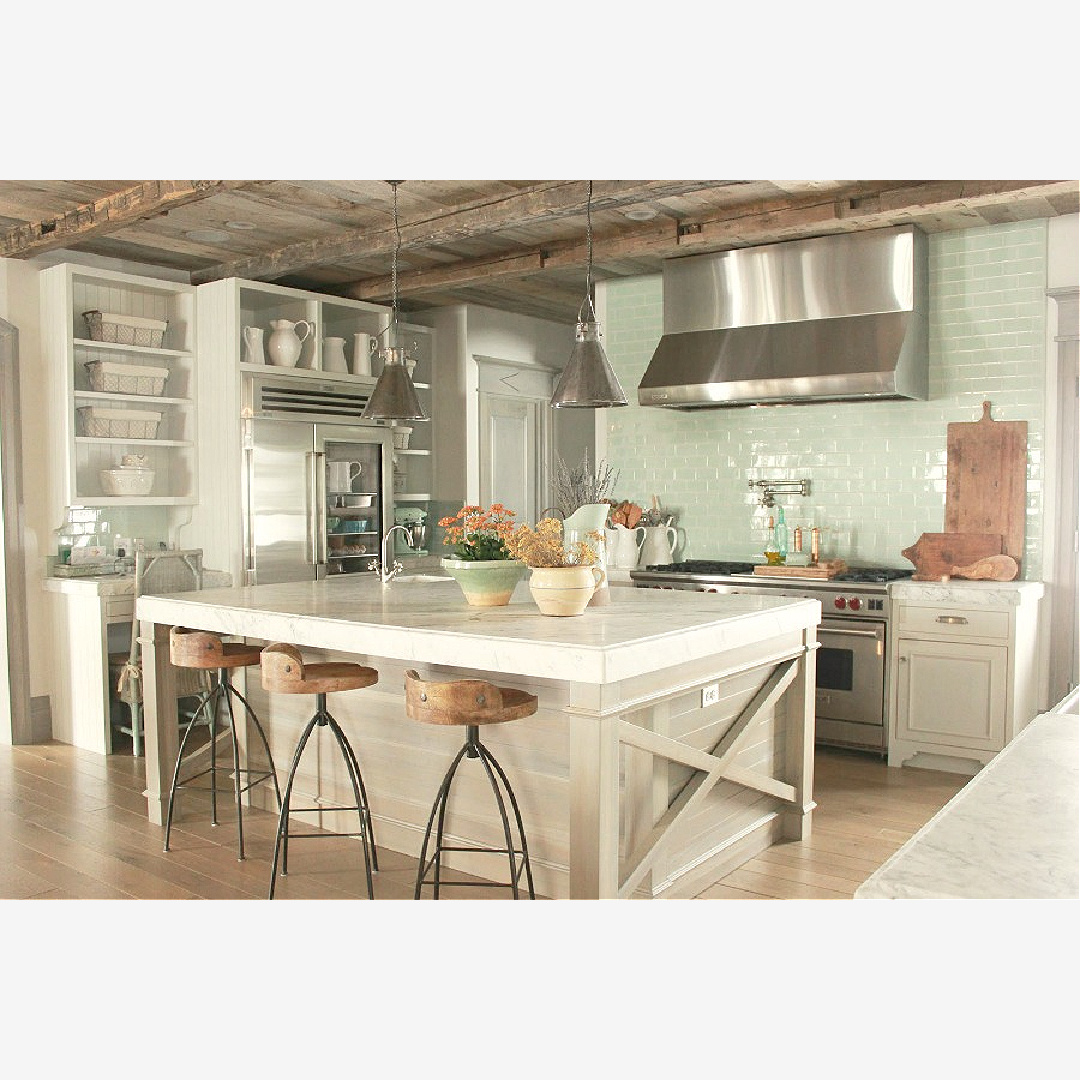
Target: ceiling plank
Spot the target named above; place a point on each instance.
(777, 220)
(495, 214)
(109, 214)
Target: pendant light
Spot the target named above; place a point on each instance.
(587, 381)
(394, 396)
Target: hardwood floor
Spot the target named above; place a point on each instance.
(73, 826)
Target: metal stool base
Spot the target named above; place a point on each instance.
(222, 692)
(322, 718)
(430, 870)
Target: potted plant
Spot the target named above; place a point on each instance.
(482, 563)
(563, 576)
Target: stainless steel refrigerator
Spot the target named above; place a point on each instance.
(317, 485)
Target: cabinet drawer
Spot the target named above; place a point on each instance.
(955, 622)
(119, 607)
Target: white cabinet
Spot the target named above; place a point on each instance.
(963, 668)
(133, 411)
(225, 308)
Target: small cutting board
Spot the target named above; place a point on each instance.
(935, 554)
(986, 481)
(820, 571)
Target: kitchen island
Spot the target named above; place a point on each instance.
(674, 737)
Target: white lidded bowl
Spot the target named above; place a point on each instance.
(127, 481)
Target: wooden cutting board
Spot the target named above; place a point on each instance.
(986, 481)
(820, 571)
(935, 554)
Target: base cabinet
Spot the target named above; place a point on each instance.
(963, 669)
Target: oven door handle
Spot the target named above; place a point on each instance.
(849, 633)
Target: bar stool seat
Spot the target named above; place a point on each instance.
(471, 703)
(285, 672)
(201, 650)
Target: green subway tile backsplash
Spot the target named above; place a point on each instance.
(877, 470)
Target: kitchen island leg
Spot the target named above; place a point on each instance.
(160, 741)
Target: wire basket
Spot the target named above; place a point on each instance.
(125, 329)
(118, 423)
(112, 378)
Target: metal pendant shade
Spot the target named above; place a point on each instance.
(587, 381)
(394, 396)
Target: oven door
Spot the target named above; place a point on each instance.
(850, 693)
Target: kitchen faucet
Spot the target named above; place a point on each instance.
(388, 573)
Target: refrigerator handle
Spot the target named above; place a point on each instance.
(317, 543)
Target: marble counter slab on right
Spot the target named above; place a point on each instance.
(1011, 833)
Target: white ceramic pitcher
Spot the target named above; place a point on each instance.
(285, 343)
(334, 356)
(253, 345)
(586, 519)
(623, 546)
(659, 545)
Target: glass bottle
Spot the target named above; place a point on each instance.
(780, 534)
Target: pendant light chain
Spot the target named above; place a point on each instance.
(393, 262)
(588, 238)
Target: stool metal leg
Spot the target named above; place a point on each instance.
(322, 718)
(474, 748)
(222, 692)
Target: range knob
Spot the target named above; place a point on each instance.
(854, 603)
(840, 602)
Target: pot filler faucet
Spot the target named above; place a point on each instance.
(771, 488)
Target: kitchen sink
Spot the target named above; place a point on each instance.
(422, 577)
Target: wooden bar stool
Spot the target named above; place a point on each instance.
(284, 672)
(202, 651)
(469, 703)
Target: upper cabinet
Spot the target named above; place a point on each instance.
(121, 360)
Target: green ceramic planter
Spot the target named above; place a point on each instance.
(488, 583)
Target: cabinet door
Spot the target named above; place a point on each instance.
(511, 454)
(951, 693)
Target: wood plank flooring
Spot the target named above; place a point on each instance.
(73, 825)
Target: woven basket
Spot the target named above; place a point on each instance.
(118, 423)
(125, 329)
(112, 378)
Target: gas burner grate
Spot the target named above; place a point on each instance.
(873, 574)
(704, 566)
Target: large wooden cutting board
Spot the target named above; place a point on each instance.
(935, 554)
(986, 479)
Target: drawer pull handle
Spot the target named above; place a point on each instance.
(952, 620)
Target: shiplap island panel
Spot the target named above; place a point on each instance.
(629, 783)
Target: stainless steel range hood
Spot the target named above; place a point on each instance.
(831, 319)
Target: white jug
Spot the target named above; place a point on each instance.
(584, 520)
(659, 545)
(341, 474)
(623, 546)
(253, 345)
(363, 346)
(334, 356)
(285, 343)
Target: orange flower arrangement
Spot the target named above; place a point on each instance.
(478, 535)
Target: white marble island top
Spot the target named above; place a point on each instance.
(1010, 834)
(641, 630)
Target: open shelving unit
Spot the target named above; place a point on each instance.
(67, 291)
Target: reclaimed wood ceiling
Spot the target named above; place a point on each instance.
(514, 245)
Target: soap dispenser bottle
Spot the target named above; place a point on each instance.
(780, 534)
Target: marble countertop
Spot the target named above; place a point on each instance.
(1010, 834)
(428, 621)
(970, 593)
(119, 584)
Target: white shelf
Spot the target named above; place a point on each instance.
(309, 373)
(90, 439)
(409, 496)
(415, 453)
(141, 350)
(141, 399)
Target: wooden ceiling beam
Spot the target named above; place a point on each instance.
(777, 220)
(543, 203)
(109, 214)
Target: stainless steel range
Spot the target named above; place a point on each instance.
(851, 663)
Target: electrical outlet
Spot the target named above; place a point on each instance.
(710, 695)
